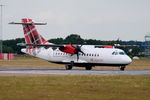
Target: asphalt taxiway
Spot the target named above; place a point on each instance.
(49, 71)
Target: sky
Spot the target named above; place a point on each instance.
(91, 19)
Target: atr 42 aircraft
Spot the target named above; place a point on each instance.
(86, 56)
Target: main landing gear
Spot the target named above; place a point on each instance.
(68, 67)
(88, 67)
(122, 68)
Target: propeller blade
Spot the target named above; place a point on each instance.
(77, 56)
(77, 51)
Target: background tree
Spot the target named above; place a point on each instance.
(10, 46)
(57, 41)
(74, 39)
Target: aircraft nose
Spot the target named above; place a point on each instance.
(128, 60)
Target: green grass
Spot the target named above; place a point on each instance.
(75, 87)
(70, 87)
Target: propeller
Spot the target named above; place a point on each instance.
(77, 51)
(72, 49)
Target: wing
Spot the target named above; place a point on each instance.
(45, 45)
(40, 45)
(71, 49)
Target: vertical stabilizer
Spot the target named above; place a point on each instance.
(31, 34)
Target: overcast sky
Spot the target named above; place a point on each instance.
(91, 19)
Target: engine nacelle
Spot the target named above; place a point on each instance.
(68, 49)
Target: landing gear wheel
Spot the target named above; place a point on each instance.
(88, 67)
(122, 68)
(68, 67)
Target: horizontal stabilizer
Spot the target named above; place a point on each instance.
(28, 23)
(21, 44)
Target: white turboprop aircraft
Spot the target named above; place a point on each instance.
(86, 56)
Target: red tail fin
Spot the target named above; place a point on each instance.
(31, 34)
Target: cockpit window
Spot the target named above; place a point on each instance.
(115, 53)
(121, 53)
(118, 53)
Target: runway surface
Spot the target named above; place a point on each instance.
(6, 71)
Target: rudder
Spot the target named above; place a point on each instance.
(31, 34)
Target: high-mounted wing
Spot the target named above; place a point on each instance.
(64, 48)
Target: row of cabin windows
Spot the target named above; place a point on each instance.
(88, 54)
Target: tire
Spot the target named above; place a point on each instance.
(68, 67)
(122, 68)
(88, 67)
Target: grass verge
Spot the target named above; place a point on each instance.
(74, 87)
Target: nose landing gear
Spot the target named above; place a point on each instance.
(122, 68)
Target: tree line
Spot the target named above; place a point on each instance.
(9, 46)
